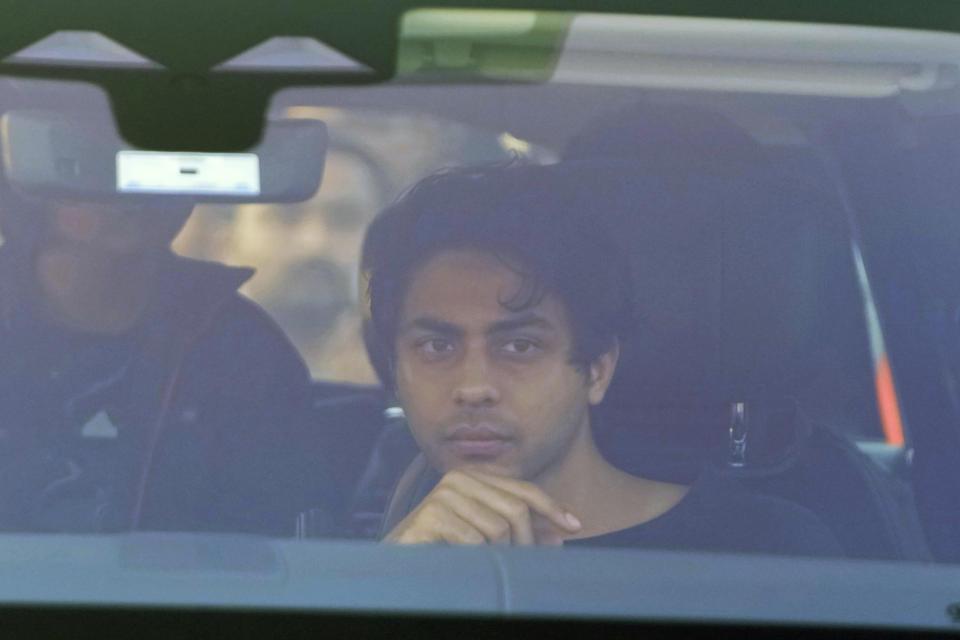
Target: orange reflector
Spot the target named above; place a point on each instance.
(887, 403)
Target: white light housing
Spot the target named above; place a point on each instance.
(293, 54)
(80, 48)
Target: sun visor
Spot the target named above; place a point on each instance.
(66, 155)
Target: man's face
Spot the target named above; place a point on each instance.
(483, 386)
(114, 229)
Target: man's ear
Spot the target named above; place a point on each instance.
(600, 373)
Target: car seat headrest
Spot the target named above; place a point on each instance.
(740, 280)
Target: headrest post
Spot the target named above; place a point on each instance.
(738, 435)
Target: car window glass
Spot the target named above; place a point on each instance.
(307, 254)
(748, 212)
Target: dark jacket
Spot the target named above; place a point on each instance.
(208, 405)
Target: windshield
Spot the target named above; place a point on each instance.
(607, 284)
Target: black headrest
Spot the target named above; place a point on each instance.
(728, 273)
(741, 261)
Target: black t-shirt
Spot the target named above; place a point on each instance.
(717, 514)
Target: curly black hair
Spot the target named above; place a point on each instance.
(549, 223)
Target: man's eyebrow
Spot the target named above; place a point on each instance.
(522, 321)
(428, 323)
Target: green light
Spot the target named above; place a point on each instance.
(480, 45)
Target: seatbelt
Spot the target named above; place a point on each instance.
(406, 494)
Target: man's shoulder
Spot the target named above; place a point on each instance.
(719, 514)
(756, 521)
(220, 322)
(206, 291)
(185, 277)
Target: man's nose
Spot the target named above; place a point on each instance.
(475, 386)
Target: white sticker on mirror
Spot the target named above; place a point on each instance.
(228, 174)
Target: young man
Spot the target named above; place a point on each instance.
(138, 389)
(499, 301)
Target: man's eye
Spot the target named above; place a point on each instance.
(520, 346)
(436, 346)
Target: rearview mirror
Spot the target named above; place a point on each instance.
(68, 155)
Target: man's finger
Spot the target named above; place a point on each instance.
(511, 507)
(450, 527)
(434, 522)
(458, 531)
(546, 533)
(496, 528)
(508, 506)
(532, 495)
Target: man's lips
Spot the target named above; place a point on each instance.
(472, 441)
(480, 431)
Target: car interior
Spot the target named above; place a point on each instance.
(767, 207)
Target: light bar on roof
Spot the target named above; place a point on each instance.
(676, 52)
(757, 56)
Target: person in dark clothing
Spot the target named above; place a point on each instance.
(138, 390)
(499, 302)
